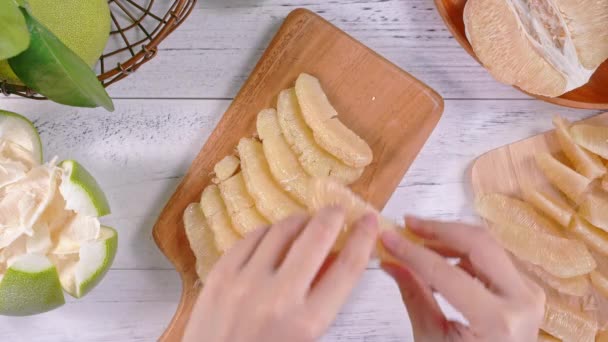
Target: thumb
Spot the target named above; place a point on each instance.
(428, 321)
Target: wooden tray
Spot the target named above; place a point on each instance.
(505, 169)
(593, 95)
(390, 109)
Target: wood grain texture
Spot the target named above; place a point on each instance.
(593, 95)
(217, 50)
(391, 110)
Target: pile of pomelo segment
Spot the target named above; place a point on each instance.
(302, 158)
(51, 239)
(559, 234)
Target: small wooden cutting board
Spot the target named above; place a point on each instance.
(390, 109)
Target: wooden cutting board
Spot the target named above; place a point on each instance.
(390, 109)
(505, 169)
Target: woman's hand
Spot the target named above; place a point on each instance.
(499, 303)
(269, 287)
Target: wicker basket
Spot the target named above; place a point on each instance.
(137, 30)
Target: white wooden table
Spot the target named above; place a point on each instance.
(165, 112)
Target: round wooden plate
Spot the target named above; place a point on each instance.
(593, 95)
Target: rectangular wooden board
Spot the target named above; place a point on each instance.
(390, 109)
(506, 169)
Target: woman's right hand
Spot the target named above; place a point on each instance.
(499, 302)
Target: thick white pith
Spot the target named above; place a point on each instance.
(21, 132)
(32, 263)
(75, 195)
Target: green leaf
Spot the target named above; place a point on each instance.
(53, 70)
(14, 36)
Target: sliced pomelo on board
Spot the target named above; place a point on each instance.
(23, 202)
(270, 199)
(20, 130)
(282, 160)
(552, 206)
(600, 282)
(94, 260)
(225, 168)
(594, 208)
(81, 191)
(568, 181)
(201, 240)
(329, 132)
(567, 323)
(240, 205)
(592, 138)
(505, 210)
(575, 286)
(316, 161)
(30, 286)
(586, 163)
(595, 238)
(215, 212)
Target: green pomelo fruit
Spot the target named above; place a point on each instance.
(82, 25)
(30, 286)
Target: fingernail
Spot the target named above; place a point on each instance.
(369, 222)
(390, 239)
(413, 222)
(335, 209)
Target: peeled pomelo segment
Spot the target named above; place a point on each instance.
(561, 257)
(78, 230)
(270, 199)
(226, 168)
(595, 238)
(316, 161)
(283, 162)
(18, 129)
(240, 205)
(216, 214)
(30, 286)
(587, 164)
(568, 181)
(594, 208)
(201, 240)
(329, 132)
(505, 210)
(592, 138)
(552, 206)
(81, 191)
(325, 192)
(599, 282)
(94, 261)
(567, 323)
(576, 286)
(23, 202)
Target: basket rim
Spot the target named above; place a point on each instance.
(175, 16)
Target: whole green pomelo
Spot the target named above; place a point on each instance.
(82, 25)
